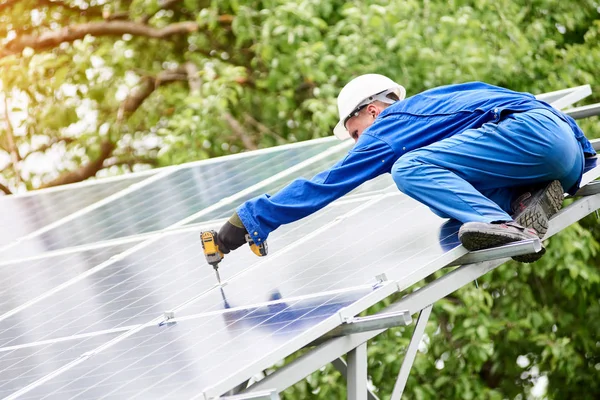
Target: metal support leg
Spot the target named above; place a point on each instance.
(357, 373)
(409, 358)
(237, 389)
(342, 367)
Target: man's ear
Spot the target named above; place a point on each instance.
(373, 110)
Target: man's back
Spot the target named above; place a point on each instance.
(441, 112)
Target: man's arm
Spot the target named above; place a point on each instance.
(260, 216)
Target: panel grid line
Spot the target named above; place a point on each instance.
(67, 338)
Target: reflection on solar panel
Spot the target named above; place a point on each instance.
(163, 200)
(23, 214)
(111, 297)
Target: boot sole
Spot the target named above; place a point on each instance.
(540, 209)
(529, 258)
(474, 240)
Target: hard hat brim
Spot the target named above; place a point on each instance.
(340, 131)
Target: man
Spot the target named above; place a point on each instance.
(496, 160)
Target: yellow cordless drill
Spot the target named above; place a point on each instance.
(213, 254)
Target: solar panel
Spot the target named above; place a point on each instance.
(391, 234)
(21, 366)
(141, 283)
(308, 171)
(191, 356)
(303, 269)
(23, 214)
(23, 281)
(166, 199)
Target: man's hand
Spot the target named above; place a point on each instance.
(231, 235)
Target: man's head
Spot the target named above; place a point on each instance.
(362, 100)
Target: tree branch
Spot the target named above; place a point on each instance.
(193, 78)
(129, 105)
(148, 85)
(132, 161)
(5, 189)
(71, 33)
(87, 170)
(239, 131)
(165, 5)
(12, 147)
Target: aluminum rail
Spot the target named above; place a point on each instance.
(590, 110)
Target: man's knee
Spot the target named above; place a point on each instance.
(405, 171)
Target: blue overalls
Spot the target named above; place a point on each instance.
(465, 150)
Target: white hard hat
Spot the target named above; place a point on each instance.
(361, 91)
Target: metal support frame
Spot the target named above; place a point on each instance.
(342, 367)
(370, 323)
(589, 189)
(590, 110)
(357, 373)
(411, 353)
(509, 250)
(270, 394)
(563, 98)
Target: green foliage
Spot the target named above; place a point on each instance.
(275, 68)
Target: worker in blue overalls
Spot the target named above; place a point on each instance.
(496, 160)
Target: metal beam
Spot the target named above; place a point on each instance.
(342, 367)
(263, 395)
(509, 250)
(411, 353)
(563, 98)
(589, 189)
(370, 323)
(357, 373)
(590, 110)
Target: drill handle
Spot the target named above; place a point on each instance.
(258, 249)
(211, 249)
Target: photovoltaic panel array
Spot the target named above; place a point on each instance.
(143, 282)
(292, 273)
(85, 318)
(164, 199)
(122, 284)
(181, 360)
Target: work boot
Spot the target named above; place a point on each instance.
(481, 235)
(533, 209)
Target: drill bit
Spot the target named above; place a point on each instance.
(217, 273)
